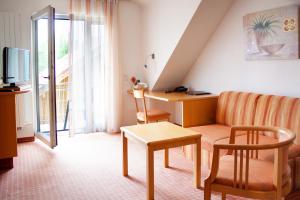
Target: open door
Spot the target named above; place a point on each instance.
(43, 57)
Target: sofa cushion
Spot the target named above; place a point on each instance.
(236, 108)
(294, 150)
(260, 173)
(279, 111)
(212, 133)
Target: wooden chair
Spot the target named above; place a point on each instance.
(144, 115)
(241, 173)
(153, 115)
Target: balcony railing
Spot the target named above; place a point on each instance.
(62, 97)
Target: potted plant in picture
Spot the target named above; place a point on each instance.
(264, 27)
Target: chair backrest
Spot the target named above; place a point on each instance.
(139, 94)
(244, 153)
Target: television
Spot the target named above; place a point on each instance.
(16, 66)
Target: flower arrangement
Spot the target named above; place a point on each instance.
(134, 81)
(137, 84)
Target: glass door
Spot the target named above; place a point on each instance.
(44, 75)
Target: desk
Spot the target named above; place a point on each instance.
(158, 136)
(196, 109)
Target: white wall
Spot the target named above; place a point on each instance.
(221, 65)
(130, 44)
(164, 22)
(26, 8)
(11, 28)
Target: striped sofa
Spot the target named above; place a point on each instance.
(242, 108)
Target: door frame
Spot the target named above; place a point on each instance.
(50, 13)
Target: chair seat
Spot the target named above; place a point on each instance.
(153, 115)
(260, 174)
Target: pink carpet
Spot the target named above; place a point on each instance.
(89, 167)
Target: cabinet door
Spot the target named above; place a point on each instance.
(8, 142)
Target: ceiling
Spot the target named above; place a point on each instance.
(192, 42)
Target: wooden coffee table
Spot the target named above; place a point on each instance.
(158, 136)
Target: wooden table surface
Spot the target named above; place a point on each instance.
(160, 132)
(175, 96)
(14, 92)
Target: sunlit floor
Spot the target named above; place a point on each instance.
(46, 127)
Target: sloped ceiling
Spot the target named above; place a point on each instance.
(203, 24)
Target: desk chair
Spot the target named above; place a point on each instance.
(241, 173)
(153, 115)
(144, 115)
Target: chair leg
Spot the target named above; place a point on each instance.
(208, 160)
(223, 196)
(207, 191)
(166, 158)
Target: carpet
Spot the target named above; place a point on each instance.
(89, 167)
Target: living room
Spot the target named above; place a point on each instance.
(237, 59)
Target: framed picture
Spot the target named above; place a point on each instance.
(272, 34)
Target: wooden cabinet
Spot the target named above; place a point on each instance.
(199, 112)
(8, 128)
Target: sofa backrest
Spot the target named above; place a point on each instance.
(236, 108)
(279, 111)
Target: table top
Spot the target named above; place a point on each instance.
(14, 92)
(159, 132)
(175, 96)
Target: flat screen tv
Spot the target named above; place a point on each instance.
(16, 66)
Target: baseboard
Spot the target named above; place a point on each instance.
(6, 163)
(26, 139)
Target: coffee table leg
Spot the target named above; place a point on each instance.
(150, 174)
(197, 164)
(166, 157)
(125, 154)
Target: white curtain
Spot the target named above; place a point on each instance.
(95, 93)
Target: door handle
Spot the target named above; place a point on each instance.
(47, 77)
